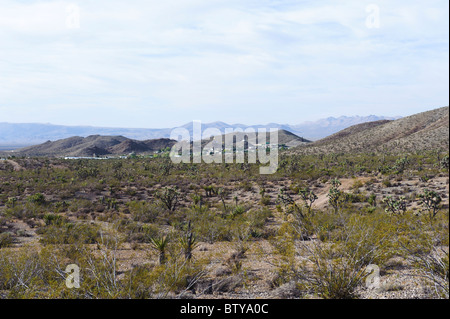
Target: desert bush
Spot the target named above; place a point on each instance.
(143, 211)
(38, 199)
(69, 233)
(6, 240)
(331, 273)
(430, 261)
(53, 219)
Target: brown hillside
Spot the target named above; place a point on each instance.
(423, 131)
(94, 145)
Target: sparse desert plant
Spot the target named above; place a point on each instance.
(372, 200)
(223, 193)
(395, 206)
(52, 219)
(431, 200)
(431, 263)
(188, 242)
(288, 202)
(6, 240)
(308, 197)
(401, 164)
(37, 198)
(331, 274)
(170, 197)
(445, 162)
(11, 202)
(335, 195)
(160, 244)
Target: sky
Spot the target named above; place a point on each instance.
(155, 64)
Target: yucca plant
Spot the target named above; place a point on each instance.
(238, 210)
(223, 193)
(188, 243)
(160, 245)
(11, 202)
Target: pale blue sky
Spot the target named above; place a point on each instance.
(145, 63)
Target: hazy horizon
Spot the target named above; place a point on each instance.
(218, 121)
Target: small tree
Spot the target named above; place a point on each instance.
(288, 202)
(400, 164)
(334, 194)
(308, 197)
(197, 200)
(431, 200)
(169, 196)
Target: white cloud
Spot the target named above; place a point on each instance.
(223, 60)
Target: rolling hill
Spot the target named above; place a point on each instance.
(119, 145)
(423, 131)
(94, 145)
(284, 138)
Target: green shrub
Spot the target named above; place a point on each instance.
(6, 240)
(70, 233)
(37, 199)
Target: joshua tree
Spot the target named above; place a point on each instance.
(287, 200)
(169, 196)
(308, 197)
(395, 206)
(334, 194)
(209, 190)
(166, 166)
(431, 201)
(400, 164)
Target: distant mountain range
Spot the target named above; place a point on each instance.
(14, 135)
(423, 131)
